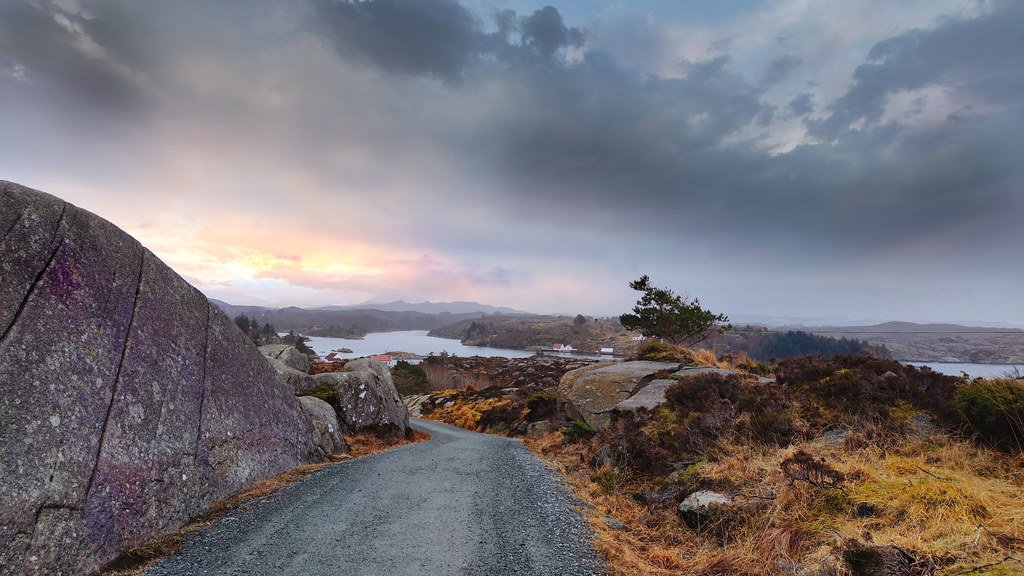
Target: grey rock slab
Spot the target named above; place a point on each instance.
(652, 395)
(459, 504)
(698, 370)
(302, 384)
(591, 392)
(326, 422)
(287, 354)
(365, 397)
(127, 404)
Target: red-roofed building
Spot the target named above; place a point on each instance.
(385, 358)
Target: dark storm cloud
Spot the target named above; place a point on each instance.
(437, 37)
(667, 152)
(46, 54)
(545, 33)
(981, 58)
(801, 104)
(779, 69)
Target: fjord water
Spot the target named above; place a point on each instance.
(414, 341)
(417, 342)
(972, 370)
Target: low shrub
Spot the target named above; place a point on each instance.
(994, 409)
(863, 387)
(410, 378)
(578, 431)
(541, 405)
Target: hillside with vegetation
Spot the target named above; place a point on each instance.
(713, 465)
(344, 323)
(854, 465)
(762, 344)
(583, 333)
(937, 342)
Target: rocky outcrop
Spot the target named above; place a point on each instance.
(653, 394)
(302, 384)
(288, 355)
(366, 399)
(128, 403)
(326, 422)
(590, 393)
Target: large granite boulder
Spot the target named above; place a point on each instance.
(326, 422)
(653, 394)
(366, 399)
(302, 384)
(590, 393)
(289, 355)
(128, 403)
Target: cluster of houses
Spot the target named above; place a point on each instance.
(566, 348)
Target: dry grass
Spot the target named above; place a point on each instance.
(663, 351)
(138, 561)
(953, 505)
(366, 444)
(467, 414)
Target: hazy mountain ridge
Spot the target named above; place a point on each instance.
(353, 323)
(428, 307)
(935, 342)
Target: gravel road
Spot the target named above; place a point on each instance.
(460, 503)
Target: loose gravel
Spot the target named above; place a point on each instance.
(460, 503)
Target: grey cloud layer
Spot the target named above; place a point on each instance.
(527, 114)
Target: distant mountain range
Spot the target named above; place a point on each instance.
(457, 307)
(902, 328)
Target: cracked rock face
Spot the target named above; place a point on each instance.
(300, 382)
(326, 422)
(288, 355)
(128, 403)
(366, 398)
(590, 393)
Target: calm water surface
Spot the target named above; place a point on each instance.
(414, 341)
(972, 370)
(417, 342)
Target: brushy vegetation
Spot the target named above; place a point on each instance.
(994, 409)
(798, 343)
(852, 465)
(665, 352)
(845, 466)
(409, 378)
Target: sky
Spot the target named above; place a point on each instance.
(791, 157)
